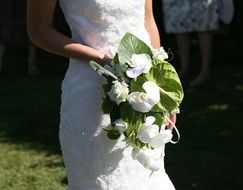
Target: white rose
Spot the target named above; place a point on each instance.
(160, 54)
(140, 63)
(144, 102)
(119, 92)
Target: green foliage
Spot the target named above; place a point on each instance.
(165, 76)
(130, 45)
(113, 134)
(133, 119)
(108, 105)
(162, 73)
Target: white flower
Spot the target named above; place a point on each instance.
(148, 130)
(160, 139)
(160, 54)
(119, 92)
(121, 125)
(145, 157)
(149, 133)
(144, 102)
(140, 63)
(154, 164)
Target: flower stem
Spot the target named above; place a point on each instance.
(101, 70)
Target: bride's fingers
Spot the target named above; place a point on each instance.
(106, 60)
(172, 117)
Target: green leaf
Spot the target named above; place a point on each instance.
(113, 134)
(115, 113)
(108, 105)
(132, 118)
(136, 86)
(159, 117)
(106, 88)
(130, 45)
(165, 76)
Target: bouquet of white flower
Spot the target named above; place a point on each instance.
(142, 89)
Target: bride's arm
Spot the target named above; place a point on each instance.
(39, 26)
(151, 25)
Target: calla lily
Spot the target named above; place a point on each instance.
(159, 54)
(160, 139)
(140, 63)
(144, 102)
(119, 91)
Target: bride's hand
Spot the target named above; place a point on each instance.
(106, 60)
(172, 117)
(102, 59)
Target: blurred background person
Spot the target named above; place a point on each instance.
(186, 16)
(13, 32)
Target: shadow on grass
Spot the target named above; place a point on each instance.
(29, 110)
(209, 156)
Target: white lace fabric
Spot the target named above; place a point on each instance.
(94, 162)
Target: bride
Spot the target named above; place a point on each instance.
(92, 161)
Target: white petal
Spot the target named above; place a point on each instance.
(149, 120)
(160, 54)
(154, 165)
(137, 104)
(152, 91)
(112, 95)
(147, 133)
(143, 156)
(118, 101)
(161, 139)
(135, 72)
(140, 63)
(140, 59)
(143, 135)
(121, 125)
(135, 151)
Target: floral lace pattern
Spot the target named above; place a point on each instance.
(190, 15)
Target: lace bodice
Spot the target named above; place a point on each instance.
(101, 23)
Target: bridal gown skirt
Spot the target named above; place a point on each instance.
(92, 161)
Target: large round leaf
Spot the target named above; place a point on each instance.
(165, 76)
(130, 45)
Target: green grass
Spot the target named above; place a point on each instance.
(22, 168)
(30, 156)
(208, 157)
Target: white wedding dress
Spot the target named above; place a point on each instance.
(93, 162)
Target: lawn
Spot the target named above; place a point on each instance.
(208, 157)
